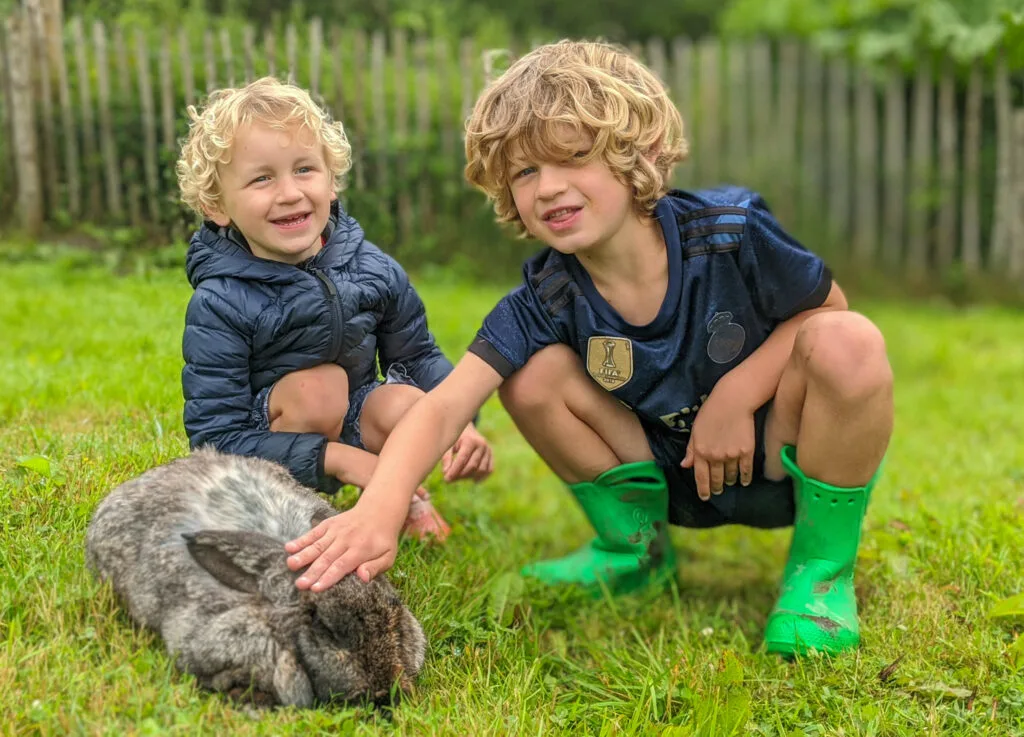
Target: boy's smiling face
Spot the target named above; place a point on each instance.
(277, 191)
(574, 205)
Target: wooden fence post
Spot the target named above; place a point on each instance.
(424, 140)
(759, 68)
(946, 220)
(380, 125)
(228, 56)
(838, 136)
(188, 76)
(108, 146)
(90, 172)
(1002, 236)
(210, 62)
(72, 162)
(167, 110)
(124, 91)
(8, 162)
(708, 146)
(866, 191)
(23, 119)
(270, 51)
(784, 152)
(812, 142)
(316, 43)
(738, 140)
(359, 107)
(894, 182)
(446, 103)
(400, 141)
(682, 93)
(248, 44)
(148, 125)
(918, 217)
(467, 70)
(1015, 257)
(291, 44)
(42, 52)
(970, 223)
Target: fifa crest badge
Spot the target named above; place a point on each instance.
(610, 361)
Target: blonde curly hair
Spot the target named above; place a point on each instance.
(269, 101)
(591, 89)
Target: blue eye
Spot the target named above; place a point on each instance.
(523, 172)
(260, 179)
(304, 169)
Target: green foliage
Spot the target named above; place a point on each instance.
(888, 30)
(1012, 607)
(488, 21)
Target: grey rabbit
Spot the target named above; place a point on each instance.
(195, 549)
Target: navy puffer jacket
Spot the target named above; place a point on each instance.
(252, 321)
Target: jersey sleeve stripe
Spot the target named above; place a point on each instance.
(490, 355)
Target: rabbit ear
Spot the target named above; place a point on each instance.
(237, 559)
(320, 515)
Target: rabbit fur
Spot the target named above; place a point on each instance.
(195, 549)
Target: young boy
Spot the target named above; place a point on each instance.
(676, 358)
(293, 307)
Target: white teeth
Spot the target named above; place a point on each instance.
(559, 213)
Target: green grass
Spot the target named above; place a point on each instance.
(89, 380)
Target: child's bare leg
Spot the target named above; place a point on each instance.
(834, 401)
(833, 414)
(382, 410)
(312, 400)
(599, 448)
(578, 428)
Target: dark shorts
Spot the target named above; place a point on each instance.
(351, 434)
(764, 503)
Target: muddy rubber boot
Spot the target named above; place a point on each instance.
(817, 607)
(628, 507)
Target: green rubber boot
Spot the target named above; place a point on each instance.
(628, 507)
(817, 607)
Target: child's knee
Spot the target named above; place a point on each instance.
(535, 384)
(386, 404)
(311, 400)
(845, 351)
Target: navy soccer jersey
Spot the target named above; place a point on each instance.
(734, 275)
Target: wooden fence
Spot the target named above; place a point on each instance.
(918, 176)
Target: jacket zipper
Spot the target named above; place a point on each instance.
(331, 292)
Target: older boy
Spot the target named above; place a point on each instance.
(671, 355)
(293, 307)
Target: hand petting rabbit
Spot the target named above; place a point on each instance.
(195, 549)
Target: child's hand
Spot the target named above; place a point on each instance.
(721, 447)
(363, 539)
(470, 458)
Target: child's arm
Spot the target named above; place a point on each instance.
(405, 340)
(721, 447)
(365, 538)
(218, 394)
(404, 337)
